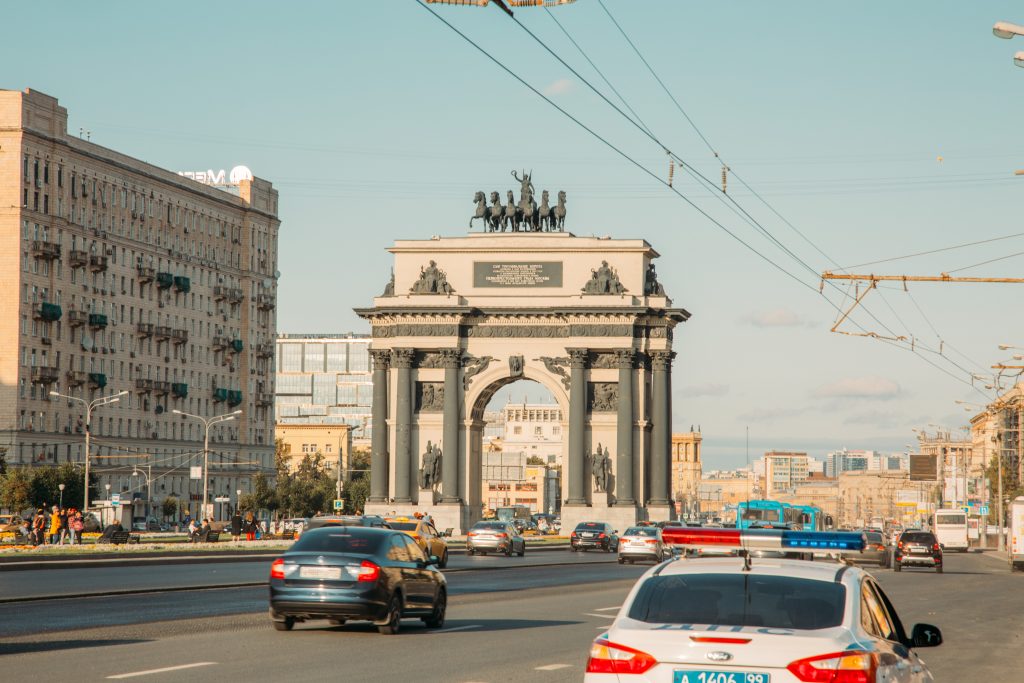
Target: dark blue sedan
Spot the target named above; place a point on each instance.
(356, 573)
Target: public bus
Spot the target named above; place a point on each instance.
(814, 518)
(950, 528)
(761, 512)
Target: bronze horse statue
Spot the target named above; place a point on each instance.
(497, 211)
(528, 216)
(483, 212)
(558, 213)
(545, 219)
(511, 216)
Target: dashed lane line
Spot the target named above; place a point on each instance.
(607, 609)
(552, 667)
(133, 674)
(458, 628)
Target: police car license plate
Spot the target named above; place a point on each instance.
(706, 676)
(320, 572)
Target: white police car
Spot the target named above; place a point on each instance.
(735, 620)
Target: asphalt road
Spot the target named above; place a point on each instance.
(531, 624)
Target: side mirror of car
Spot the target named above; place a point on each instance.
(925, 635)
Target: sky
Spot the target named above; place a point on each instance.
(866, 131)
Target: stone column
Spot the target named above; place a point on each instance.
(379, 433)
(624, 492)
(402, 360)
(451, 359)
(577, 426)
(661, 436)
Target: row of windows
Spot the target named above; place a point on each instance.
(323, 357)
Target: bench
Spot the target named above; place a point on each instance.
(123, 537)
(210, 536)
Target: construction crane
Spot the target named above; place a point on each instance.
(872, 281)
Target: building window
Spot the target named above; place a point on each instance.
(517, 430)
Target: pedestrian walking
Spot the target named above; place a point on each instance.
(54, 525)
(236, 525)
(64, 528)
(250, 526)
(39, 528)
(77, 526)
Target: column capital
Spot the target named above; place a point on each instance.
(403, 358)
(625, 358)
(661, 360)
(451, 358)
(578, 358)
(381, 358)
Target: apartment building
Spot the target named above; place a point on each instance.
(117, 275)
(686, 470)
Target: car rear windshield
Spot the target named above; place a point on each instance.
(338, 540)
(590, 525)
(490, 525)
(918, 537)
(740, 600)
(403, 526)
(642, 531)
(873, 537)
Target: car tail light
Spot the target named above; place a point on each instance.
(935, 546)
(471, 534)
(277, 569)
(851, 666)
(368, 571)
(609, 658)
(600, 535)
(573, 534)
(900, 544)
(651, 541)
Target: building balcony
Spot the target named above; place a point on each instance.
(144, 329)
(78, 258)
(97, 380)
(97, 263)
(220, 342)
(264, 399)
(182, 283)
(77, 318)
(164, 280)
(235, 295)
(237, 345)
(220, 292)
(265, 350)
(161, 387)
(45, 250)
(179, 336)
(97, 320)
(146, 274)
(144, 386)
(77, 378)
(220, 395)
(162, 332)
(179, 390)
(45, 374)
(48, 312)
(266, 302)
(234, 397)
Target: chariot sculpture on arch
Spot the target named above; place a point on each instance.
(522, 216)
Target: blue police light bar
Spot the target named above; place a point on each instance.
(823, 540)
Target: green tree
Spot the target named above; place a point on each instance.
(3, 460)
(355, 494)
(15, 490)
(306, 490)
(45, 486)
(263, 496)
(169, 507)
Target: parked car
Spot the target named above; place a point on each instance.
(597, 535)
(356, 573)
(495, 537)
(642, 543)
(917, 549)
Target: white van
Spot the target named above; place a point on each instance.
(950, 528)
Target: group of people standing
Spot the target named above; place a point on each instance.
(247, 524)
(61, 526)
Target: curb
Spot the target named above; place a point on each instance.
(137, 560)
(255, 584)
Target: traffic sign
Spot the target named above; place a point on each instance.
(967, 509)
(195, 472)
(338, 504)
(115, 498)
(222, 499)
(983, 510)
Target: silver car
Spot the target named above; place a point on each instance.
(875, 551)
(642, 543)
(495, 537)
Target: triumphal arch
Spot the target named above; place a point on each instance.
(463, 316)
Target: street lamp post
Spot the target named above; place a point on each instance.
(149, 485)
(89, 405)
(61, 487)
(207, 423)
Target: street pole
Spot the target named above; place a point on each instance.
(207, 423)
(89, 405)
(206, 464)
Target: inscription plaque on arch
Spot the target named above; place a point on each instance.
(517, 274)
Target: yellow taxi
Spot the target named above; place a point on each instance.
(425, 535)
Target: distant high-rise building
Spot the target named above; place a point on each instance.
(846, 460)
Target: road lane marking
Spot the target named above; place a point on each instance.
(163, 670)
(552, 667)
(599, 616)
(607, 609)
(459, 628)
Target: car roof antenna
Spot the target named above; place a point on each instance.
(745, 554)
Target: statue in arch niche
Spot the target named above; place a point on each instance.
(432, 280)
(601, 468)
(430, 470)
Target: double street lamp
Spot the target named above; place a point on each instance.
(89, 405)
(207, 423)
(1006, 30)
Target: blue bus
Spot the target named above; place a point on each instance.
(753, 513)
